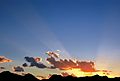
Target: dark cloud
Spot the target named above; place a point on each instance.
(106, 72)
(52, 67)
(18, 69)
(2, 67)
(34, 62)
(4, 59)
(25, 65)
(64, 64)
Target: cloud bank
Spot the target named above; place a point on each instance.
(62, 64)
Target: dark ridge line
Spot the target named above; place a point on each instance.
(8, 76)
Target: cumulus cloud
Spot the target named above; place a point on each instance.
(69, 64)
(64, 64)
(4, 59)
(18, 69)
(34, 62)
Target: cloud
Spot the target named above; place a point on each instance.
(64, 74)
(52, 67)
(1, 68)
(4, 59)
(41, 77)
(25, 65)
(37, 59)
(106, 72)
(50, 75)
(64, 64)
(86, 66)
(18, 69)
(34, 62)
(53, 54)
(70, 64)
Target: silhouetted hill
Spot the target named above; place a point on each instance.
(8, 76)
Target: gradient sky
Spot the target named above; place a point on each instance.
(81, 29)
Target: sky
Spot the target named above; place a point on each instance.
(86, 30)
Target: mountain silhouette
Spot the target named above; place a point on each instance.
(8, 76)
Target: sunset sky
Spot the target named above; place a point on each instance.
(86, 30)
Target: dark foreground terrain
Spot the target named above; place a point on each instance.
(8, 76)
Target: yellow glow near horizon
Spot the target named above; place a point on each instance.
(79, 73)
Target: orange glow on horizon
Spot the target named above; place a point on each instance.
(79, 73)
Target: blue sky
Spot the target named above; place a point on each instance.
(83, 29)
